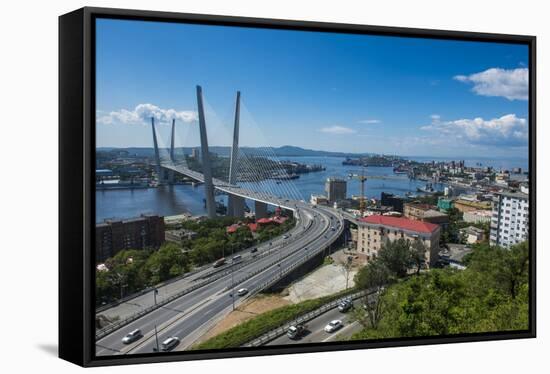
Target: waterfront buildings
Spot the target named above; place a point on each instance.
(444, 204)
(477, 216)
(510, 219)
(336, 189)
(112, 236)
(390, 200)
(318, 199)
(465, 204)
(425, 213)
(375, 230)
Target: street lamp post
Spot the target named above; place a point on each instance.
(232, 278)
(156, 339)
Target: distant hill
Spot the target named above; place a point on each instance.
(284, 151)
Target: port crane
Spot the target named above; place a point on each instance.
(362, 178)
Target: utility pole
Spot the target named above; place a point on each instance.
(232, 279)
(157, 339)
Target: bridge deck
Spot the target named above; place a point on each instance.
(234, 189)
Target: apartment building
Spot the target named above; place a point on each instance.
(375, 230)
(112, 236)
(510, 219)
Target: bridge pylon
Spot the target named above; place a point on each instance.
(172, 151)
(205, 153)
(158, 169)
(235, 204)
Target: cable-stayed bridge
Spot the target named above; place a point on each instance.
(283, 195)
(206, 296)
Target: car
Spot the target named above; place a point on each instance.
(345, 305)
(254, 250)
(242, 291)
(333, 325)
(285, 236)
(236, 258)
(169, 343)
(296, 331)
(132, 336)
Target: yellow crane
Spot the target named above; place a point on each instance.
(361, 178)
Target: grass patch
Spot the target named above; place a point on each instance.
(253, 328)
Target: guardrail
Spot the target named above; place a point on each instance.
(149, 289)
(283, 273)
(116, 325)
(282, 329)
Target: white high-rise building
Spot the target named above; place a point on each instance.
(510, 219)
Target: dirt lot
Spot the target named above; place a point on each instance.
(257, 305)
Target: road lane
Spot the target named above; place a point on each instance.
(315, 328)
(217, 293)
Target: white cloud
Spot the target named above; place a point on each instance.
(142, 114)
(512, 84)
(508, 130)
(370, 121)
(337, 130)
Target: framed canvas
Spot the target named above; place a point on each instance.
(237, 187)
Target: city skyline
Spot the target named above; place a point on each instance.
(334, 92)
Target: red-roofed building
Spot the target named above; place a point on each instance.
(375, 230)
(264, 221)
(231, 229)
(279, 219)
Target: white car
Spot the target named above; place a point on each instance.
(169, 343)
(242, 291)
(132, 336)
(333, 325)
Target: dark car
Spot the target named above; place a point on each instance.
(345, 305)
(296, 331)
(254, 250)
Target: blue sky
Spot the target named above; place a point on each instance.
(324, 91)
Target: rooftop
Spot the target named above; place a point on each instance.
(433, 213)
(515, 195)
(401, 223)
(421, 206)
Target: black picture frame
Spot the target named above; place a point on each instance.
(76, 181)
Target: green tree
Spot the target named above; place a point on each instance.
(374, 277)
(450, 232)
(418, 254)
(169, 261)
(396, 256)
(491, 294)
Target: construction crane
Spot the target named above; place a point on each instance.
(362, 178)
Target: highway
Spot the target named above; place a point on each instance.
(315, 328)
(132, 305)
(191, 315)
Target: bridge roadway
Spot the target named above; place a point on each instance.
(223, 186)
(189, 316)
